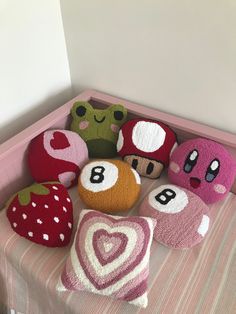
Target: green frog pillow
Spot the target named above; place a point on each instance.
(98, 127)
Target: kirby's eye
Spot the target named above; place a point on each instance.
(118, 115)
(212, 170)
(191, 161)
(80, 111)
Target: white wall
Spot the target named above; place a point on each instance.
(179, 56)
(34, 71)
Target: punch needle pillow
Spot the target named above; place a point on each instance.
(57, 155)
(204, 167)
(146, 145)
(109, 185)
(110, 256)
(182, 218)
(42, 213)
(98, 127)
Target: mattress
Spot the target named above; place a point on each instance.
(198, 280)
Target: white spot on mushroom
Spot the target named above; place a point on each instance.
(69, 225)
(14, 209)
(148, 136)
(64, 208)
(14, 224)
(68, 200)
(120, 141)
(204, 225)
(55, 187)
(45, 236)
(136, 175)
(33, 204)
(56, 219)
(62, 237)
(24, 216)
(56, 198)
(46, 206)
(30, 234)
(39, 221)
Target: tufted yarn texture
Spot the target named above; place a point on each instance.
(57, 155)
(109, 185)
(98, 127)
(110, 256)
(204, 167)
(146, 145)
(42, 213)
(182, 218)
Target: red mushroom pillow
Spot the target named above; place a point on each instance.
(57, 155)
(182, 218)
(42, 213)
(110, 256)
(146, 145)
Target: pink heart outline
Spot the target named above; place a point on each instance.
(128, 265)
(118, 248)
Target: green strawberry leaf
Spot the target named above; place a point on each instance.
(39, 189)
(24, 196)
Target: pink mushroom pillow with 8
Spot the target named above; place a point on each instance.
(204, 167)
(110, 256)
(146, 145)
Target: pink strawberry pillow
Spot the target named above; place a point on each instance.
(204, 167)
(57, 155)
(110, 256)
(42, 213)
(182, 217)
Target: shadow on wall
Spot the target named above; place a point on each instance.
(36, 112)
(3, 296)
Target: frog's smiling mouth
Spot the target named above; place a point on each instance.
(99, 121)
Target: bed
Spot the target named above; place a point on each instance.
(199, 280)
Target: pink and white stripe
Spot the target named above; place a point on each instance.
(123, 272)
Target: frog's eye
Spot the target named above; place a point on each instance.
(80, 111)
(118, 115)
(191, 161)
(212, 170)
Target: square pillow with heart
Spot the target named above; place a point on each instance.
(110, 256)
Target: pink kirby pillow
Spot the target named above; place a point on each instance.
(110, 256)
(57, 155)
(182, 217)
(42, 213)
(204, 167)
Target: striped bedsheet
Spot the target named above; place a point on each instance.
(199, 280)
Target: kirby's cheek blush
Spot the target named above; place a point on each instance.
(204, 167)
